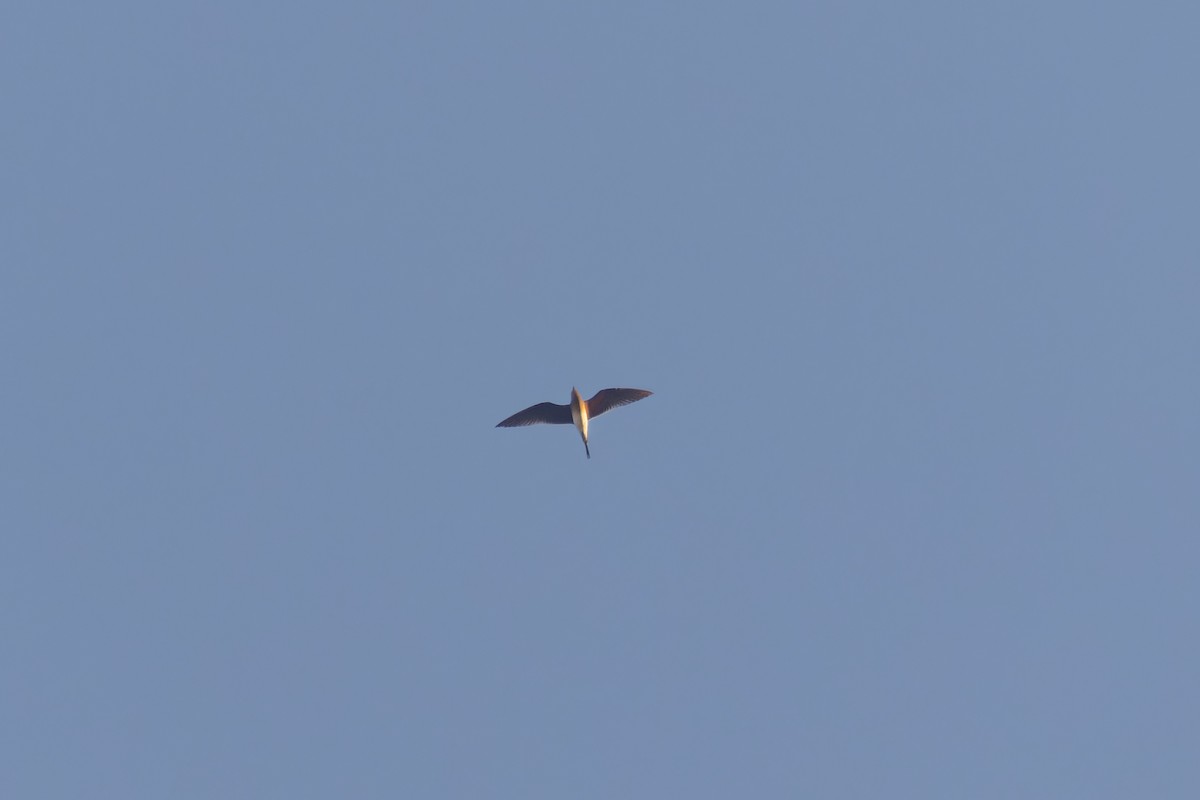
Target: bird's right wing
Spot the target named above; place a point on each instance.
(549, 413)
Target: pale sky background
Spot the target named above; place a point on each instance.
(912, 513)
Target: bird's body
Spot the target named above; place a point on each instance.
(577, 413)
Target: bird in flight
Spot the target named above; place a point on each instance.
(577, 413)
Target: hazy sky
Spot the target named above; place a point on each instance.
(913, 511)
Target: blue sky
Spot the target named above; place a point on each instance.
(913, 511)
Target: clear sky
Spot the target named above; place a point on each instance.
(913, 511)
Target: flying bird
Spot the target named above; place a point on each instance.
(577, 413)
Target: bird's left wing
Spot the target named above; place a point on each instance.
(606, 399)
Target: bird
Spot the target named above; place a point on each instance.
(578, 412)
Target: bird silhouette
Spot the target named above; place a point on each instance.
(578, 412)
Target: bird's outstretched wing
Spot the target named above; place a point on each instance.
(550, 413)
(606, 399)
